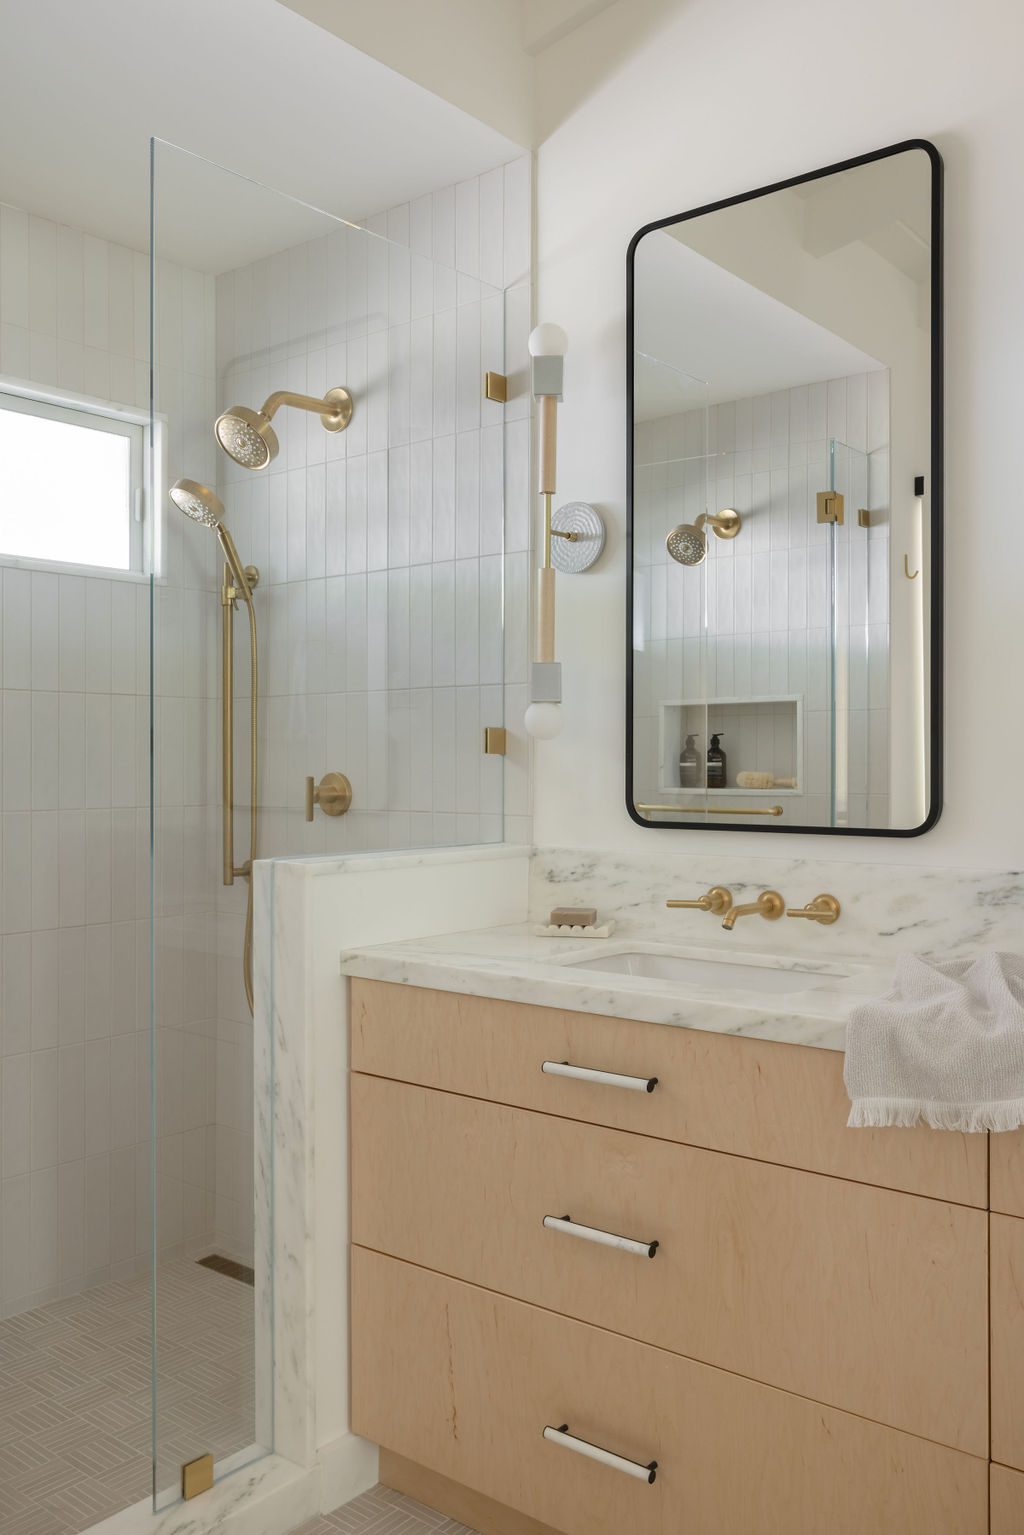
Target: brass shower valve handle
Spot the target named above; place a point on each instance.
(824, 909)
(333, 794)
(717, 901)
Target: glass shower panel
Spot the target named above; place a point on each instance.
(674, 478)
(370, 558)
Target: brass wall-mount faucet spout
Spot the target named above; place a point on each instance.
(768, 905)
(717, 901)
(824, 909)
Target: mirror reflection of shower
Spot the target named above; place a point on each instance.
(688, 543)
(248, 437)
(205, 507)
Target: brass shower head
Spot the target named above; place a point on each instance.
(204, 506)
(198, 502)
(688, 543)
(247, 436)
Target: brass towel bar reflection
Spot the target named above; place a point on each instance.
(711, 809)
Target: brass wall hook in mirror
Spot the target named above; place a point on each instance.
(910, 575)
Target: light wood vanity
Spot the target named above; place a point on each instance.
(806, 1352)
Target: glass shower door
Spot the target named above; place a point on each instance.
(372, 557)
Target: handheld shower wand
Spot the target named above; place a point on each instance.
(205, 507)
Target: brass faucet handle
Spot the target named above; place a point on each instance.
(824, 909)
(717, 901)
(333, 794)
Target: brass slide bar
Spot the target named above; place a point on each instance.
(710, 810)
(236, 588)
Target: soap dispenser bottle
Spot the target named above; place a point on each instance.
(689, 765)
(716, 763)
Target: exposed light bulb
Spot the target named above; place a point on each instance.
(543, 721)
(548, 340)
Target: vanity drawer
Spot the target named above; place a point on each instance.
(1006, 1171)
(778, 1103)
(1007, 1501)
(1007, 1268)
(866, 1299)
(464, 1382)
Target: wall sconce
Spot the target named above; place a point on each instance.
(543, 717)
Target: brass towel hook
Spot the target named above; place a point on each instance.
(911, 576)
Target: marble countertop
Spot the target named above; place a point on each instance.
(514, 965)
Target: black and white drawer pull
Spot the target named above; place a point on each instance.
(573, 1228)
(632, 1468)
(602, 1078)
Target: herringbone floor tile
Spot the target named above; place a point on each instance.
(75, 1399)
(383, 1512)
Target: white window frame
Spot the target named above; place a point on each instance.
(146, 453)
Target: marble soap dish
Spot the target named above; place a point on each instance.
(563, 930)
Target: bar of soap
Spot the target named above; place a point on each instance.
(573, 916)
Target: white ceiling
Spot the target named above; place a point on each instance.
(704, 335)
(246, 83)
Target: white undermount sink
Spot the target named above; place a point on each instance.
(654, 964)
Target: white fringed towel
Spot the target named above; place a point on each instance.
(944, 1047)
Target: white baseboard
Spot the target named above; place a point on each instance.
(348, 1466)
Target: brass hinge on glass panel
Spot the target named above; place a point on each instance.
(496, 387)
(831, 507)
(196, 1476)
(495, 741)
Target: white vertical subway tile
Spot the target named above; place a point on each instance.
(15, 263)
(45, 992)
(45, 888)
(42, 244)
(17, 750)
(445, 372)
(70, 284)
(97, 635)
(16, 995)
(467, 227)
(443, 227)
(469, 377)
(377, 511)
(467, 495)
(491, 227)
(71, 632)
(44, 1109)
(96, 292)
(17, 628)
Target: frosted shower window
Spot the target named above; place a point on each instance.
(67, 485)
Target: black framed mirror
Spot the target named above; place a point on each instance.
(785, 489)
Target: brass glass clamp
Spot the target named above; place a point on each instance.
(333, 794)
(717, 901)
(824, 909)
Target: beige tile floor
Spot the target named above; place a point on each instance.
(383, 1512)
(75, 1399)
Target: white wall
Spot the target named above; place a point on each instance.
(661, 124)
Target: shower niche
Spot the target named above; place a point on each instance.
(758, 735)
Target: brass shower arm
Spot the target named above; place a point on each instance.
(322, 407)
